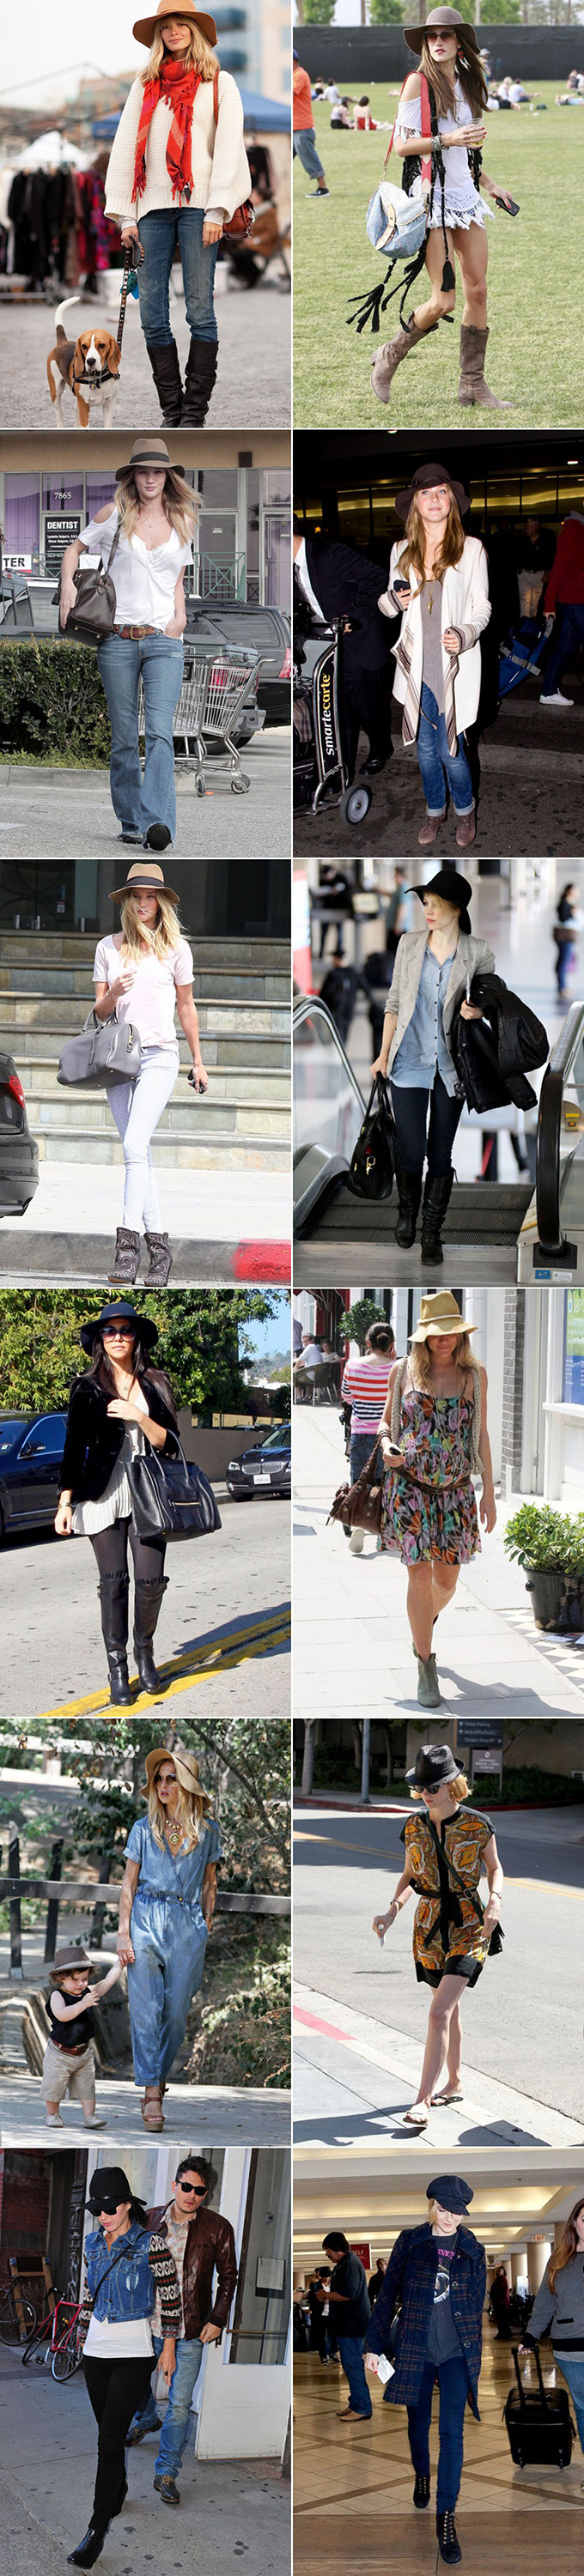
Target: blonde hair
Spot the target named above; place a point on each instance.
(467, 66)
(420, 1361)
(180, 505)
(162, 941)
(413, 555)
(198, 56)
(191, 1811)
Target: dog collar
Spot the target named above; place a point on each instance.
(103, 377)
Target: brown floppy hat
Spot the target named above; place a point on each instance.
(186, 1767)
(449, 19)
(145, 28)
(69, 1959)
(424, 480)
(149, 450)
(144, 878)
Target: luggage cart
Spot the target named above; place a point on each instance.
(214, 690)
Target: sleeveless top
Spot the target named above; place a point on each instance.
(472, 1405)
(72, 2034)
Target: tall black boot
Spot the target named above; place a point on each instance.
(409, 1191)
(436, 1199)
(90, 2547)
(168, 381)
(148, 1598)
(201, 370)
(113, 1592)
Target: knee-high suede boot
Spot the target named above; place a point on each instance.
(409, 1191)
(473, 387)
(113, 1592)
(148, 1599)
(436, 1200)
(391, 354)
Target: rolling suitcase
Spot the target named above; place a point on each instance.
(540, 2428)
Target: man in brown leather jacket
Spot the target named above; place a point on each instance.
(203, 2244)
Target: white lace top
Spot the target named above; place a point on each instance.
(462, 204)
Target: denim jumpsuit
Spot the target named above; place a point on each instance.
(169, 1938)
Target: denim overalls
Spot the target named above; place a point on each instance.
(130, 2288)
(169, 1938)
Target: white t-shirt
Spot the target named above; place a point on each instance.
(118, 2343)
(144, 577)
(150, 1000)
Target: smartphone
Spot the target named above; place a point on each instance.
(506, 209)
(400, 583)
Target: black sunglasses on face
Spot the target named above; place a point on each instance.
(198, 2189)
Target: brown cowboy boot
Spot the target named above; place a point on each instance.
(390, 356)
(472, 387)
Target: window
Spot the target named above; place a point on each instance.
(260, 2325)
(573, 1382)
(46, 1438)
(21, 516)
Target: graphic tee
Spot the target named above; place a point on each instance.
(443, 2337)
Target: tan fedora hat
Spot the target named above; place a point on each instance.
(149, 449)
(145, 28)
(451, 22)
(145, 877)
(186, 1767)
(439, 1313)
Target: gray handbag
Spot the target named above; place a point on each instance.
(106, 1051)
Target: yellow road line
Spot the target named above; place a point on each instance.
(244, 1646)
(551, 1886)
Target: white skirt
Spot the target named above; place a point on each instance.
(462, 207)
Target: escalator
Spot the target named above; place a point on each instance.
(499, 1232)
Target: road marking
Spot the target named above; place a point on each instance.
(240, 1647)
(334, 1842)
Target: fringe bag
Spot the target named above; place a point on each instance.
(404, 234)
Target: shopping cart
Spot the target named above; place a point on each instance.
(214, 689)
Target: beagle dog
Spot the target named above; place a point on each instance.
(89, 365)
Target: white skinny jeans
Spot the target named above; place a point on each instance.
(137, 1107)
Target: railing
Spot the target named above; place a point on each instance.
(98, 1893)
(551, 1131)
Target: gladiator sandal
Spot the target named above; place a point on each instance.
(200, 373)
(113, 1596)
(472, 387)
(436, 1200)
(390, 356)
(148, 1598)
(409, 1191)
(126, 1258)
(167, 378)
(160, 1260)
(151, 2107)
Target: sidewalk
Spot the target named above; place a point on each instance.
(48, 813)
(354, 2077)
(224, 1226)
(253, 376)
(352, 1642)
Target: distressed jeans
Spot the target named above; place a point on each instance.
(178, 2418)
(438, 764)
(169, 1941)
(137, 1107)
(452, 2379)
(168, 229)
(140, 800)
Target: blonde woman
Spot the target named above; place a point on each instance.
(434, 1438)
(438, 578)
(141, 973)
(153, 521)
(178, 171)
(450, 61)
(167, 1903)
(448, 1846)
(432, 974)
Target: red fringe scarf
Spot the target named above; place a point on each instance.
(178, 88)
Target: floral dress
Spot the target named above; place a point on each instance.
(431, 1511)
(448, 1934)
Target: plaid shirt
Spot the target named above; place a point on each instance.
(409, 2280)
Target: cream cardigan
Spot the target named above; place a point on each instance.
(221, 174)
(464, 605)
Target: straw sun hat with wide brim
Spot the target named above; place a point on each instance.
(144, 878)
(146, 29)
(187, 1769)
(439, 1313)
(451, 22)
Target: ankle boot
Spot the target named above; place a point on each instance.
(113, 1592)
(429, 1694)
(167, 379)
(436, 1199)
(126, 1258)
(472, 387)
(89, 2549)
(201, 370)
(409, 1191)
(148, 1599)
(422, 2489)
(160, 1260)
(448, 2541)
(390, 357)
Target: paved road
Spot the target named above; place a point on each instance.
(254, 2118)
(523, 2022)
(47, 813)
(223, 1636)
(253, 377)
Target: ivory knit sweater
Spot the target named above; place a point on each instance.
(221, 175)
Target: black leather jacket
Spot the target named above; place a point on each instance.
(492, 1055)
(93, 1438)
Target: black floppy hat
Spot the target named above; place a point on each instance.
(424, 480)
(433, 1765)
(453, 888)
(120, 1313)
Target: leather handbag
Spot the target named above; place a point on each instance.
(242, 222)
(374, 1156)
(359, 1506)
(170, 1499)
(93, 616)
(106, 1051)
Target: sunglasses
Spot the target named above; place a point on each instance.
(196, 2189)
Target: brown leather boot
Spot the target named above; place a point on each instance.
(160, 1260)
(126, 1258)
(472, 387)
(466, 830)
(430, 829)
(390, 357)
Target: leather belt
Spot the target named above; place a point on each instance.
(135, 632)
(78, 2050)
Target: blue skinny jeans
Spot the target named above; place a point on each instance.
(453, 2387)
(167, 229)
(438, 765)
(178, 2419)
(140, 800)
(571, 2365)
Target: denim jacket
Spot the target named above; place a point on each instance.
(130, 2289)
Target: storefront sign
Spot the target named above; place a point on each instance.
(60, 533)
(18, 563)
(364, 2253)
(479, 1731)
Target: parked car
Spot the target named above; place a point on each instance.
(243, 621)
(265, 1469)
(31, 1457)
(19, 1155)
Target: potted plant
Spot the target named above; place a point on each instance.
(550, 1545)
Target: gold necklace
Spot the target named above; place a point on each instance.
(173, 1832)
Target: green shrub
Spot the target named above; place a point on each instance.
(52, 705)
(551, 1542)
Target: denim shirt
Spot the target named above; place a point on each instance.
(423, 1052)
(130, 2289)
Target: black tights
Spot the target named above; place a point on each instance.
(110, 1547)
(117, 2389)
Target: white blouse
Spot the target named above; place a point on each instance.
(144, 577)
(463, 205)
(150, 1001)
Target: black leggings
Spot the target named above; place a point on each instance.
(117, 2391)
(410, 1109)
(110, 1547)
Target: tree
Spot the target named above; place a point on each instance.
(354, 1324)
(204, 1343)
(244, 1764)
(504, 13)
(385, 13)
(318, 13)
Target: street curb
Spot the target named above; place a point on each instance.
(69, 1260)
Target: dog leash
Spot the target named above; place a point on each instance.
(130, 271)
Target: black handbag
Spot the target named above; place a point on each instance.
(93, 616)
(374, 1157)
(169, 1498)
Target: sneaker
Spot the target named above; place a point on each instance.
(555, 699)
(318, 192)
(95, 2121)
(356, 1543)
(54, 2120)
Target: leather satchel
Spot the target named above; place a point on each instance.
(170, 1499)
(106, 1051)
(242, 222)
(94, 613)
(374, 1156)
(360, 1506)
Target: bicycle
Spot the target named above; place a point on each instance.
(58, 2333)
(10, 2321)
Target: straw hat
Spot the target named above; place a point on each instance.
(449, 19)
(439, 1313)
(149, 449)
(146, 28)
(145, 877)
(187, 1769)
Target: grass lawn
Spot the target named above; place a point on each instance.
(536, 270)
